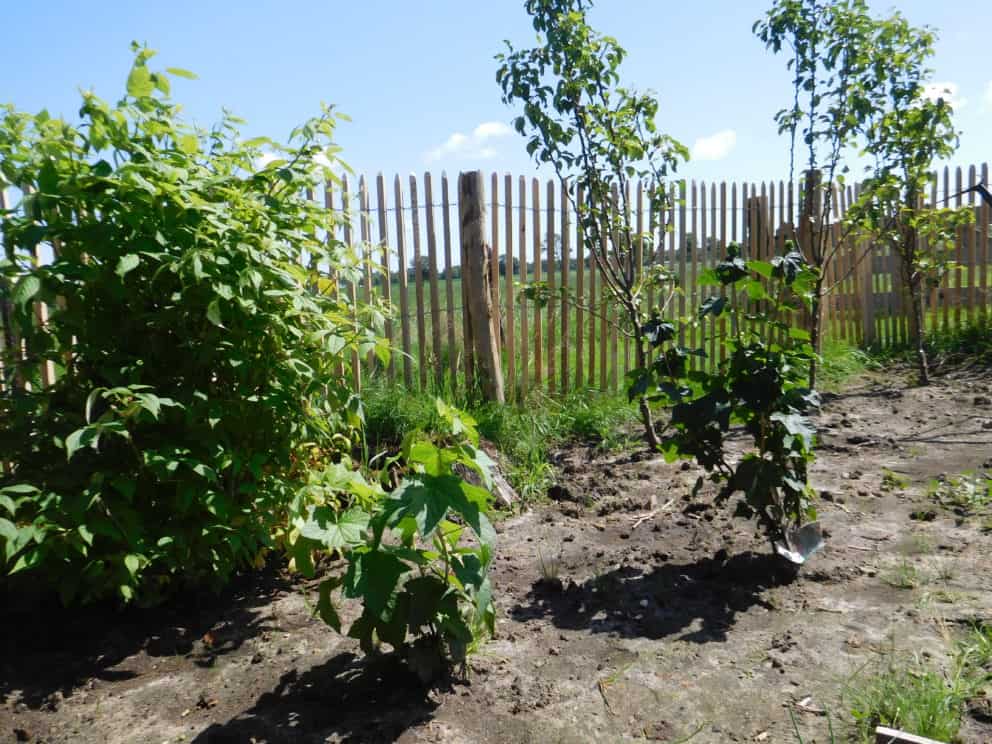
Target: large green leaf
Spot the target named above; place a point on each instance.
(139, 82)
(797, 426)
(374, 576)
(25, 290)
(128, 262)
(426, 498)
(334, 530)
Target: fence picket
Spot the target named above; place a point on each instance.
(449, 287)
(580, 260)
(691, 287)
(522, 247)
(404, 293)
(435, 292)
(958, 250)
(612, 308)
(418, 281)
(538, 337)
(386, 279)
(970, 250)
(593, 310)
(550, 257)
(508, 320)
(985, 216)
(356, 367)
(365, 225)
(565, 305)
(946, 281)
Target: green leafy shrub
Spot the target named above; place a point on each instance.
(194, 345)
(419, 560)
(760, 385)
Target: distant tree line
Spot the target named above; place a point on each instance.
(424, 264)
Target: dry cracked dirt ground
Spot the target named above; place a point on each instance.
(662, 628)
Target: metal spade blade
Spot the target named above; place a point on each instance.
(800, 544)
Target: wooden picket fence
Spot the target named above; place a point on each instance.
(566, 346)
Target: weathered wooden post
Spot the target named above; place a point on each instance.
(477, 280)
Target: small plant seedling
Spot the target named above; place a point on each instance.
(916, 544)
(419, 559)
(976, 648)
(967, 494)
(550, 566)
(893, 481)
(903, 576)
(946, 572)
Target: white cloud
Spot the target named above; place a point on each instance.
(476, 145)
(716, 146)
(946, 90)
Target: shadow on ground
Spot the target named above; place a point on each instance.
(700, 600)
(49, 651)
(359, 701)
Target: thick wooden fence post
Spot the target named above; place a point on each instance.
(478, 279)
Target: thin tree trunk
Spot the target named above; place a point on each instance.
(642, 402)
(914, 285)
(916, 298)
(815, 332)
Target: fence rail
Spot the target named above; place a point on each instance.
(408, 236)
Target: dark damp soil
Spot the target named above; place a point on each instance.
(665, 618)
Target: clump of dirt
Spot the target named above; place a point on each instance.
(667, 618)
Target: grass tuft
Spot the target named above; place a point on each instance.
(526, 435)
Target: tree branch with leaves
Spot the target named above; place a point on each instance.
(599, 137)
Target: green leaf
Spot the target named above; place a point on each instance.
(139, 82)
(88, 436)
(756, 290)
(796, 425)
(424, 497)
(213, 314)
(374, 576)
(712, 306)
(85, 534)
(127, 263)
(332, 529)
(21, 489)
(763, 268)
(426, 593)
(180, 72)
(25, 290)
(8, 533)
(132, 563)
(188, 144)
(150, 403)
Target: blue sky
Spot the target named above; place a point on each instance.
(418, 78)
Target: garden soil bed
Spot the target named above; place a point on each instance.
(661, 627)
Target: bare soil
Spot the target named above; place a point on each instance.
(669, 618)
